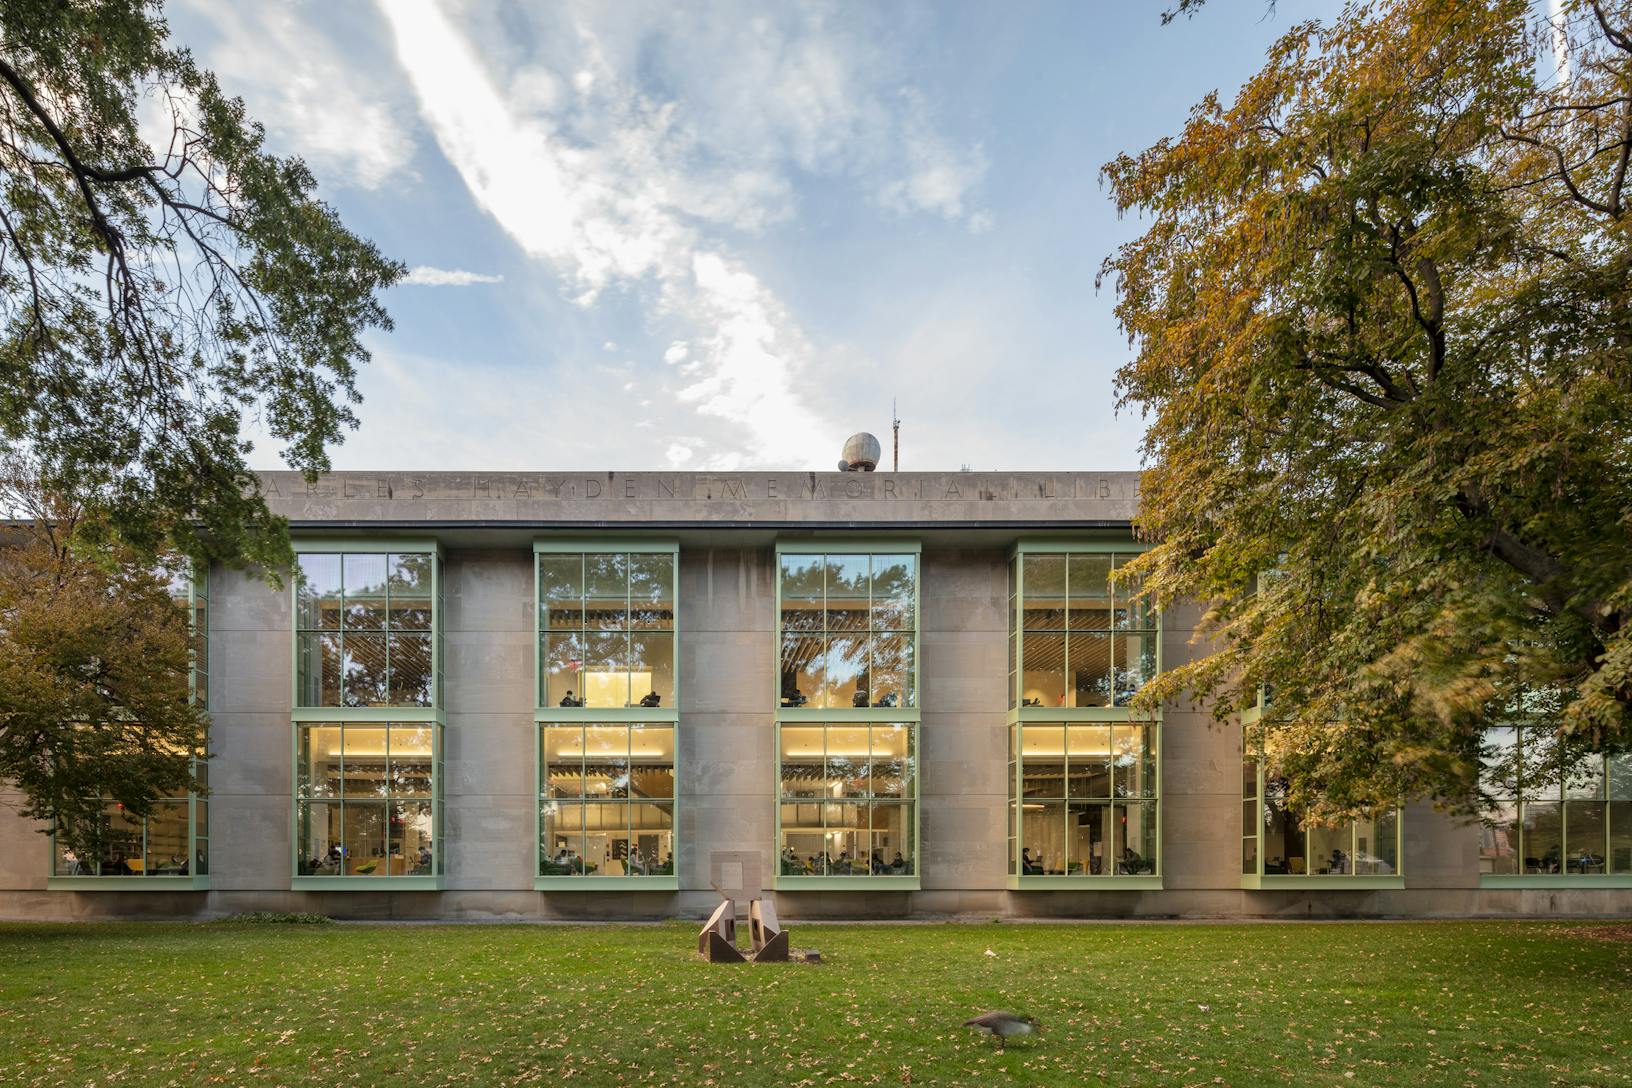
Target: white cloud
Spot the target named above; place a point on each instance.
(426, 276)
(315, 100)
(628, 147)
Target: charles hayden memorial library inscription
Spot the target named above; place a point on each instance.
(620, 487)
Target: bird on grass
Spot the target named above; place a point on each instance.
(1002, 1025)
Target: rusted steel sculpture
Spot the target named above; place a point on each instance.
(735, 875)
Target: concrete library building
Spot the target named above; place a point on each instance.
(555, 695)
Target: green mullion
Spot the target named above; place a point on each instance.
(367, 545)
(538, 766)
(608, 715)
(367, 714)
(606, 545)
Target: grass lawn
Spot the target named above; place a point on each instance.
(1490, 1003)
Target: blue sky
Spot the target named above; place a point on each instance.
(725, 236)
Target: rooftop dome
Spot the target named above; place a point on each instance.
(861, 453)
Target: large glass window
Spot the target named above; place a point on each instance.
(365, 629)
(1554, 808)
(1275, 842)
(606, 629)
(366, 802)
(848, 630)
(173, 840)
(368, 718)
(606, 799)
(848, 799)
(1087, 799)
(607, 714)
(1084, 788)
(847, 723)
(1078, 638)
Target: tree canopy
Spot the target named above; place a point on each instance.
(163, 277)
(1382, 320)
(95, 659)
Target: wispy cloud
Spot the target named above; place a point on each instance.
(627, 149)
(336, 112)
(426, 276)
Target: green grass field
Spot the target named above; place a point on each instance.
(404, 1005)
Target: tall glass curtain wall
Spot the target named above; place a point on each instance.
(1084, 787)
(1275, 842)
(368, 728)
(607, 804)
(847, 800)
(1558, 811)
(606, 623)
(364, 629)
(1083, 644)
(606, 655)
(846, 698)
(1088, 797)
(367, 799)
(173, 841)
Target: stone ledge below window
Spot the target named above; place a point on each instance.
(606, 883)
(1556, 882)
(1326, 883)
(128, 883)
(366, 884)
(1085, 883)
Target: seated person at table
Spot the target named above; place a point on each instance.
(793, 697)
(1339, 861)
(1028, 867)
(569, 700)
(898, 864)
(651, 699)
(877, 863)
(1131, 863)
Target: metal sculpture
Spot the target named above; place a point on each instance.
(735, 875)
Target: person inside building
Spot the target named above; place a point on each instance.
(651, 699)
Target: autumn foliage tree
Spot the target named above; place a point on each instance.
(1382, 319)
(94, 672)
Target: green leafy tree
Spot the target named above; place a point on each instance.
(1382, 320)
(161, 277)
(94, 672)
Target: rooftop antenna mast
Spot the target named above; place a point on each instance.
(895, 431)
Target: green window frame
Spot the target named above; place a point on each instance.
(368, 802)
(384, 609)
(847, 621)
(366, 625)
(188, 867)
(1072, 736)
(1362, 855)
(606, 763)
(847, 801)
(1558, 818)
